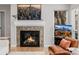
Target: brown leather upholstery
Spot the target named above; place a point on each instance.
(65, 43)
(57, 50)
(74, 42)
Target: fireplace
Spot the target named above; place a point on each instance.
(29, 38)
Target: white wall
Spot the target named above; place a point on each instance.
(74, 6)
(47, 21)
(48, 17)
(6, 9)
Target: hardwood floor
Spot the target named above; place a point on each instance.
(32, 49)
(29, 51)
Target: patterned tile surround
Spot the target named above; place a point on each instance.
(30, 28)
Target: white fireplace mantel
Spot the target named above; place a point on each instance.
(29, 23)
(22, 23)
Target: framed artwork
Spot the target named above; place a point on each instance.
(63, 30)
(29, 11)
(60, 17)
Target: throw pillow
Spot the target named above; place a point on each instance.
(74, 42)
(65, 43)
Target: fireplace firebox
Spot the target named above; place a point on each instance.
(29, 38)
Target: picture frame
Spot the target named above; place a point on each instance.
(60, 17)
(29, 11)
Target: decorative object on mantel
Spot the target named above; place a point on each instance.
(29, 11)
(14, 16)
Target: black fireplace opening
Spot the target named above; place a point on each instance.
(29, 38)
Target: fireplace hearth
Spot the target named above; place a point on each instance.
(29, 39)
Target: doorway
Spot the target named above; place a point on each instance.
(75, 23)
(2, 24)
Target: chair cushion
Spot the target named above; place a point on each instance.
(65, 43)
(74, 42)
(57, 50)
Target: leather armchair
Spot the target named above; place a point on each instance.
(57, 50)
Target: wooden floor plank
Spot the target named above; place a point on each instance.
(31, 49)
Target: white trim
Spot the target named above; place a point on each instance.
(13, 45)
(53, 28)
(73, 23)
